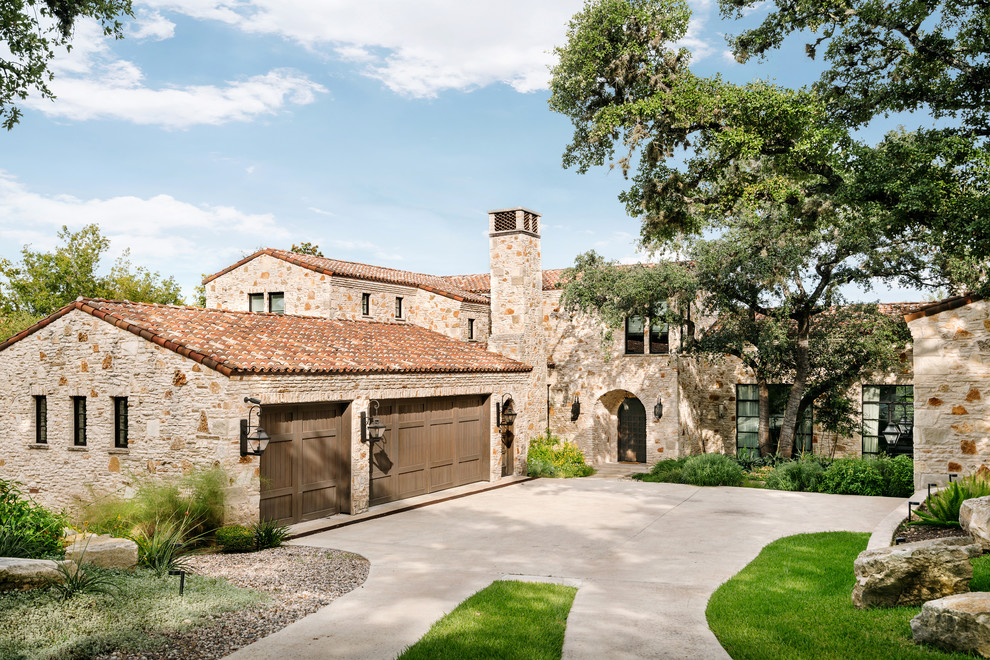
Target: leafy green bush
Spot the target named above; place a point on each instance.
(269, 534)
(852, 476)
(749, 459)
(235, 538)
(195, 501)
(803, 475)
(28, 530)
(898, 475)
(668, 471)
(711, 470)
(549, 456)
(943, 507)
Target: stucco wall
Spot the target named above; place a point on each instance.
(951, 376)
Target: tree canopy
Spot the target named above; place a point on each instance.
(44, 282)
(31, 31)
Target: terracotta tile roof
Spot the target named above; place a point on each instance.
(482, 282)
(251, 343)
(944, 305)
(433, 283)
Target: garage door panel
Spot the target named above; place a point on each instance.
(411, 448)
(278, 507)
(320, 458)
(276, 464)
(410, 484)
(319, 502)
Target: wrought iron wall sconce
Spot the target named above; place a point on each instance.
(722, 411)
(658, 410)
(376, 429)
(504, 414)
(254, 440)
(575, 409)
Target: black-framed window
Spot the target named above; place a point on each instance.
(41, 419)
(398, 307)
(366, 304)
(276, 303)
(748, 419)
(79, 421)
(884, 405)
(256, 302)
(635, 332)
(659, 338)
(120, 422)
(470, 328)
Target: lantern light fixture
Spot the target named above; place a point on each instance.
(254, 440)
(376, 429)
(504, 414)
(575, 409)
(658, 410)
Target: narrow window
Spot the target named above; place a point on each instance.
(276, 303)
(256, 302)
(79, 421)
(366, 304)
(659, 332)
(398, 307)
(748, 419)
(635, 329)
(41, 420)
(470, 328)
(888, 406)
(120, 422)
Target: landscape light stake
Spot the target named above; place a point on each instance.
(952, 477)
(899, 540)
(182, 580)
(910, 504)
(930, 491)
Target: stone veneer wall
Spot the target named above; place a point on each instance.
(312, 294)
(951, 387)
(181, 415)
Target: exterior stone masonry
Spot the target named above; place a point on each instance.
(951, 376)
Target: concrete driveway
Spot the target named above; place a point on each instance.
(645, 556)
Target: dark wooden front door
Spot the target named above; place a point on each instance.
(429, 445)
(305, 472)
(632, 431)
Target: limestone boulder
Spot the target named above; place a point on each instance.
(974, 516)
(955, 623)
(913, 573)
(102, 550)
(21, 574)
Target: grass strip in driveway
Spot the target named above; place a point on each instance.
(794, 601)
(506, 619)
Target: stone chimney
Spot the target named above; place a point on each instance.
(517, 314)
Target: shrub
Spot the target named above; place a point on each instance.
(269, 534)
(711, 470)
(75, 581)
(803, 475)
(235, 538)
(195, 502)
(898, 475)
(28, 530)
(549, 456)
(165, 548)
(668, 471)
(943, 507)
(852, 476)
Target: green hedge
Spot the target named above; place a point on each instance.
(550, 456)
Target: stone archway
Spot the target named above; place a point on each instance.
(607, 428)
(632, 431)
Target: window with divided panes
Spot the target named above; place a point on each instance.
(883, 406)
(41, 419)
(79, 421)
(654, 339)
(120, 422)
(748, 419)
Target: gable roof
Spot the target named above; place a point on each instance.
(242, 343)
(944, 305)
(353, 270)
(482, 282)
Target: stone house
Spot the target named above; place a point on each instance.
(320, 341)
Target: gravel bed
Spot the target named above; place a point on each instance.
(300, 579)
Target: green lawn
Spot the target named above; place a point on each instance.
(793, 601)
(37, 627)
(507, 619)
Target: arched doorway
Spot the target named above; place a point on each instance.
(632, 431)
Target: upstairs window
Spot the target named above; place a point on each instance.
(276, 303)
(41, 420)
(659, 338)
(398, 307)
(79, 421)
(470, 329)
(885, 406)
(366, 304)
(256, 302)
(635, 329)
(748, 419)
(120, 422)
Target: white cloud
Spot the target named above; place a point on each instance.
(320, 211)
(425, 47)
(151, 25)
(91, 83)
(163, 233)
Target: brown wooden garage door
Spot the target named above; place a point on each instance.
(305, 472)
(430, 445)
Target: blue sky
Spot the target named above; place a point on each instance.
(381, 131)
